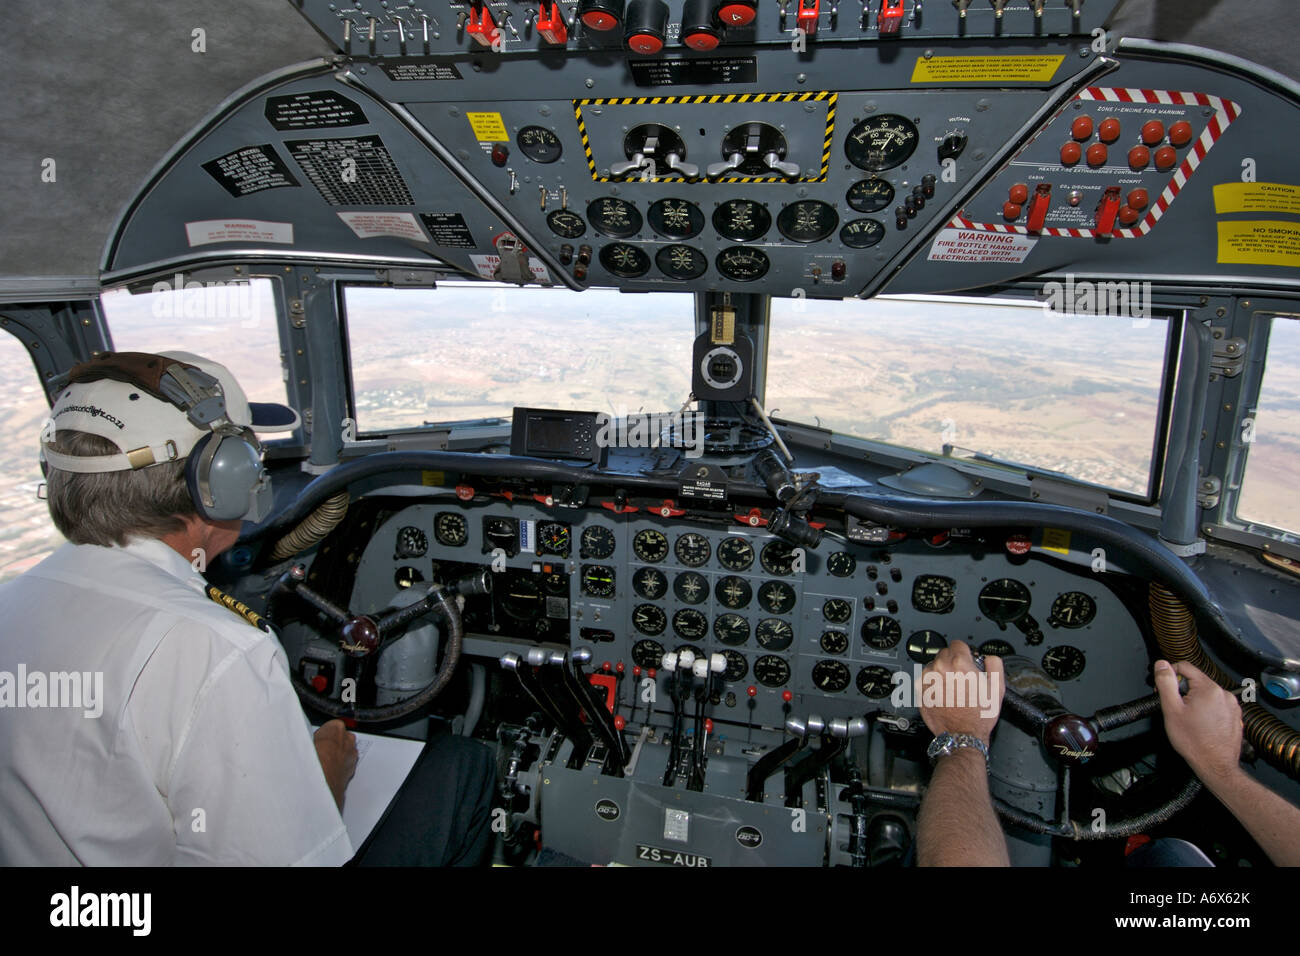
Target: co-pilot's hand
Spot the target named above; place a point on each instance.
(336, 748)
(1204, 726)
(975, 710)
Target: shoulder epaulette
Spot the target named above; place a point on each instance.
(238, 607)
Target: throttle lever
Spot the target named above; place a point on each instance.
(600, 717)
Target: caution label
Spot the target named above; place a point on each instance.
(1056, 539)
(487, 127)
(986, 69)
(1257, 197)
(1259, 242)
(972, 245)
(238, 230)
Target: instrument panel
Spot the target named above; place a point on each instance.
(822, 630)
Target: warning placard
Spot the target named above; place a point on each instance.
(487, 267)
(1259, 242)
(487, 127)
(972, 245)
(986, 69)
(238, 230)
(1257, 197)
(250, 170)
(368, 225)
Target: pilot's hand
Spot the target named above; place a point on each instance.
(1204, 726)
(976, 717)
(336, 748)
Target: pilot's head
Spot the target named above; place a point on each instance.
(145, 445)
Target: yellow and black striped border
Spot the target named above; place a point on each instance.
(720, 99)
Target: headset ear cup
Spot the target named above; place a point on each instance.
(192, 474)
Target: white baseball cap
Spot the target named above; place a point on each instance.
(123, 396)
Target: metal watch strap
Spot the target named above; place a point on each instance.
(947, 743)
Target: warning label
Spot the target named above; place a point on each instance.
(970, 245)
(1257, 197)
(986, 69)
(312, 111)
(1259, 242)
(448, 229)
(368, 225)
(238, 230)
(250, 170)
(1056, 539)
(487, 267)
(411, 72)
(487, 127)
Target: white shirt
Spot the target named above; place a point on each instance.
(201, 755)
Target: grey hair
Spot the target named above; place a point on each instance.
(109, 508)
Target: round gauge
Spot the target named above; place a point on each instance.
(737, 666)
(1063, 663)
(869, 195)
(735, 554)
(647, 653)
(690, 624)
(881, 632)
(834, 642)
(407, 577)
(1004, 600)
(831, 676)
(553, 538)
(996, 648)
(651, 620)
(597, 542)
(733, 592)
(501, 533)
(742, 265)
(923, 646)
(411, 543)
(597, 580)
(566, 224)
(692, 550)
(742, 220)
(873, 680)
(691, 587)
(837, 611)
(624, 260)
(776, 597)
(934, 593)
(771, 671)
(616, 218)
(650, 546)
(650, 583)
(675, 218)
(539, 144)
(450, 528)
(841, 564)
(880, 142)
(862, 233)
(731, 629)
(1072, 609)
(774, 634)
(807, 220)
(555, 583)
(522, 598)
(681, 262)
(777, 558)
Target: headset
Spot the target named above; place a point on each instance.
(223, 472)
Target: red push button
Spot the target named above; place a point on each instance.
(1138, 199)
(751, 690)
(1180, 134)
(1011, 211)
(701, 40)
(1097, 155)
(1128, 215)
(1166, 158)
(737, 14)
(320, 684)
(787, 696)
(1139, 157)
(1109, 130)
(644, 43)
(1153, 132)
(1019, 544)
(1081, 128)
(1071, 153)
(1018, 194)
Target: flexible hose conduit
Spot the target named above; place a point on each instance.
(1175, 632)
(312, 528)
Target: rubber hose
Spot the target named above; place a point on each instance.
(1175, 631)
(312, 528)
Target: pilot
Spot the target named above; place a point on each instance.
(147, 724)
(957, 826)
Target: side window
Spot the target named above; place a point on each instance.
(1272, 435)
(234, 324)
(26, 532)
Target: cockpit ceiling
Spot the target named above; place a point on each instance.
(106, 100)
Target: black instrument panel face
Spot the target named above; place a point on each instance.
(831, 626)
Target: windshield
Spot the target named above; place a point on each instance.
(1079, 395)
(468, 351)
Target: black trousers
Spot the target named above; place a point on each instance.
(442, 814)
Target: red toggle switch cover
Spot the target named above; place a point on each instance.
(550, 24)
(806, 18)
(1107, 210)
(482, 27)
(891, 17)
(1038, 207)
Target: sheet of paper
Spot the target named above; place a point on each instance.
(382, 766)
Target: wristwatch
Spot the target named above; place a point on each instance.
(947, 743)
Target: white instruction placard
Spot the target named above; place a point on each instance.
(238, 230)
(368, 225)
